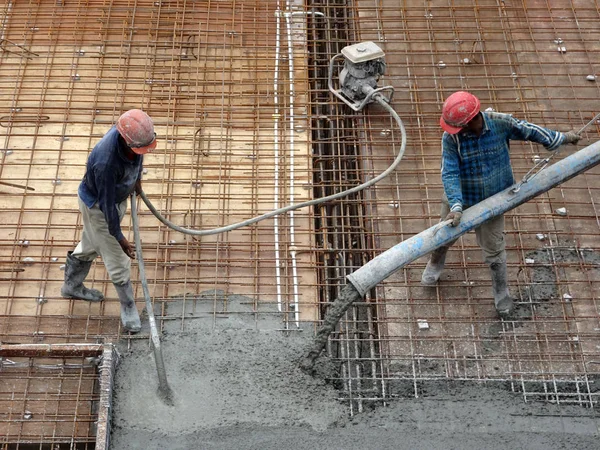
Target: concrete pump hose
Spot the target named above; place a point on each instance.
(288, 208)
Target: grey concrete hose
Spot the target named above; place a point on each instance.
(293, 207)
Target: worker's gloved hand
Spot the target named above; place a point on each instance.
(455, 217)
(127, 248)
(138, 187)
(571, 137)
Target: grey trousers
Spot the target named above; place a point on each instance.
(96, 240)
(490, 236)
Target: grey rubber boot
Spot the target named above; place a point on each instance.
(129, 313)
(434, 267)
(502, 300)
(75, 272)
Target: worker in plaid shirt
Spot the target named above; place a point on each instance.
(475, 166)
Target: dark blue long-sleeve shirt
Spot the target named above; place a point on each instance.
(475, 168)
(110, 178)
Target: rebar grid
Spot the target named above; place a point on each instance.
(531, 60)
(204, 71)
(55, 395)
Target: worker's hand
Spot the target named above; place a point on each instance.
(571, 137)
(138, 187)
(455, 217)
(127, 248)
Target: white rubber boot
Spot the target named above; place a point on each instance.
(129, 313)
(75, 272)
(502, 299)
(434, 268)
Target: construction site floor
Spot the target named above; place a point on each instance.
(237, 385)
(246, 123)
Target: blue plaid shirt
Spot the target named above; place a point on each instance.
(475, 168)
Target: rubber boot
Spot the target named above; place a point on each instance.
(502, 300)
(434, 267)
(75, 272)
(129, 313)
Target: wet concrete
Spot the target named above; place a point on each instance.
(238, 369)
(237, 386)
(336, 310)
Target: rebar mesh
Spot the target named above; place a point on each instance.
(218, 80)
(205, 72)
(536, 61)
(55, 396)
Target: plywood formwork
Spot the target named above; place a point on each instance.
(56, 395)
(205, 72)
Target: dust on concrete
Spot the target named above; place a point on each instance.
(237, 385)
(541, 293)
(548, 264)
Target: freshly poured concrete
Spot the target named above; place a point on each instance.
(237, 386)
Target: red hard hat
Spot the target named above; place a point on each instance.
(458, 110)
(137, 129)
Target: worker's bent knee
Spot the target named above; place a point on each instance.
(84, 257)
(119, 273)
(495, 257)
(118, 266)
(120, 277)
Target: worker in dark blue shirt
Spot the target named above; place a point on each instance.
(476, 165)
(113, 172)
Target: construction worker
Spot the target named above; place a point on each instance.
(113, 172)
(476, 165)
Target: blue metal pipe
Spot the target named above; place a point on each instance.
(384, 265)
